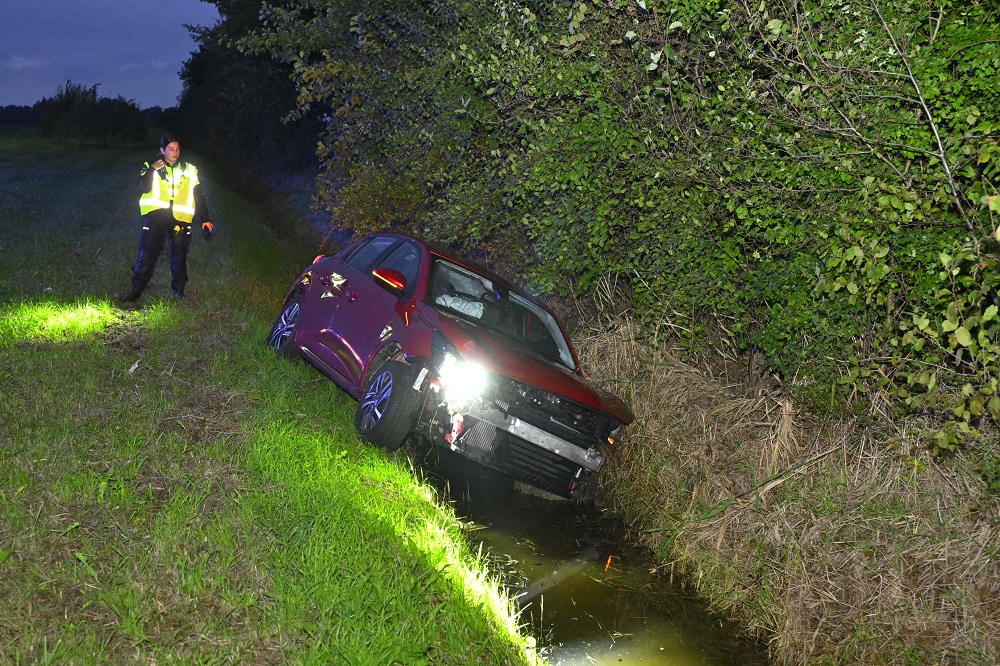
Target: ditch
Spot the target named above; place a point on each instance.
(587, 597)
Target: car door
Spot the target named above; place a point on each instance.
(337, 282)
(373, 315)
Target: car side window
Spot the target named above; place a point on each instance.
(364, 257)
(406, 260)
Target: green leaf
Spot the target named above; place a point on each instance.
(69, 529)
(976, 406)
(994, 407)
(963, 337)
(990, 313)
(716, 510)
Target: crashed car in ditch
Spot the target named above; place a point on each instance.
(433, 345)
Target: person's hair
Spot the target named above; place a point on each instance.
(166, 140)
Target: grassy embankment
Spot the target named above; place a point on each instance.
(170, 492)
(839, 542)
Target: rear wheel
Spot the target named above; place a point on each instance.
(388, 406)
(282, 337)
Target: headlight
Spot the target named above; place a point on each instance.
(461, 380)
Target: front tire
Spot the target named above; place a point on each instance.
(282, 336)
(388, 406)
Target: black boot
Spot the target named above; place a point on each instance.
(134, 293)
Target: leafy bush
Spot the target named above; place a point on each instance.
(78, 114)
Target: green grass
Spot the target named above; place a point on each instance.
(170, 492)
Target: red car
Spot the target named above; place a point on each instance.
(436, 346)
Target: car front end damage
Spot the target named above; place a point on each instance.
(531, 434)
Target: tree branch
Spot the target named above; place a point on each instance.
(942, 154)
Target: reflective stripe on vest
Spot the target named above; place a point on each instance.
(177, 189)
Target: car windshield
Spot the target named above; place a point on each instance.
(456, 290)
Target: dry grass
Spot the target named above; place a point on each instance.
(836, 544)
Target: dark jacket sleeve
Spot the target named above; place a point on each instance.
(201, 205)
(146, 175)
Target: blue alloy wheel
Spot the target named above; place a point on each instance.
(376, 399)
(282, 337)
(388, 407)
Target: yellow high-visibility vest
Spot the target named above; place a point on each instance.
(176, 189)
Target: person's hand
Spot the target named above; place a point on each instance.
(158, 164)
(207, 229)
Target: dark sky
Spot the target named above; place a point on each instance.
(131, 48)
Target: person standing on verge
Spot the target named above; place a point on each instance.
(172, 199)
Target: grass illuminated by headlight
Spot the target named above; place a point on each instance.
(46, 321)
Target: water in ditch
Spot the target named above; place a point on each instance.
(587, 598)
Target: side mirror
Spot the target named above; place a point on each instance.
(390, 279)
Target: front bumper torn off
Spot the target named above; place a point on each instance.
(589, 459)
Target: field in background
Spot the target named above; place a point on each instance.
(170, 492)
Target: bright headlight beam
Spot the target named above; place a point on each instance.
(461, 380)
(56, 322)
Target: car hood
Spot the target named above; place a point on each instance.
(500, 356)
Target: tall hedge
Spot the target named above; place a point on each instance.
(816, 177)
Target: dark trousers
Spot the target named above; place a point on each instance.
(159, 227)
